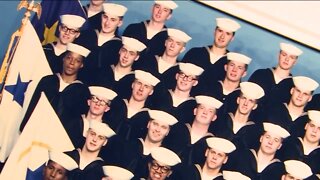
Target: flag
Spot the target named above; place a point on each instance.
(51, 11)
(42, 133)
(28, 66)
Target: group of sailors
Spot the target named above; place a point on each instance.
(133, 109)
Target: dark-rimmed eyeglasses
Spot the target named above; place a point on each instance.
(101, 102)
(64, 28)
(156, 166)
(188, 78)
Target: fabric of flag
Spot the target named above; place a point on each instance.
(28, 66)
(51, 10)
(42, 133)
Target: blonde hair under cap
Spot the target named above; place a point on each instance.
(78, 49)
(232, 56)
(251, 90)
(227, 24)
(210, 101)
(179, 35)
(63, 159)
(146, 77)
(314, 116)
(102, 92)
(167, 3)
(304, 83)
(163, 117)
(297, 169)
(114, 9)
(221, 144)
(276, 129)
(190, 69)
(133, 44)
(117, 173)
(101, 128)
(290, 49)
(72, 21)
(165, 156)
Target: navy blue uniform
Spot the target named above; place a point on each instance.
(183, 112)
(55, 62)
(200, 56)
(150, 63)
(247, 137)
(194, 173)
(105, 77)
(68, 104)
(155, 45)
(274, 93)
(100, 56)
(247, 165)
(93, 22)
(216, 90)
(179, 140)
(314, 104)
(279, 114)
(293, 149)
(92, 171)
(127, 128)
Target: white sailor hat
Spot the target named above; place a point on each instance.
(314, 116)
(179, 35)
(304, 83)
(133, 44)
(167, 3)
(232, 56)
(221, 144)
(290, 49)
(190, 69)
(163, 117)
(146, 77)
(117, 173)
(72, 21)
(251, 90)
(114, 9)
(63, 159)
(165, 156)
(101, 128)
(275, 129)
(210, 101)
(102, 92)
(78, 49)
(227, 24)
(297, 169)
(233, 175)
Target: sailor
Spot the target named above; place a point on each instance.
(277, 81)
(67, 95)
(292, 115)
(213, 58)
(189, 140)
(99, 103)
(69, 30)
(216, 156)
(153, 32)
(178, 100)
(90, 164)
(121, 75)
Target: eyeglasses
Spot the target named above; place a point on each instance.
(188, 78)
(101, 102)
(64, 28)
(156, 166)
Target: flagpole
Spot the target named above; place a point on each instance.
(4, 71)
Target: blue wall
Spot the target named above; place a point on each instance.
(259, 44)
